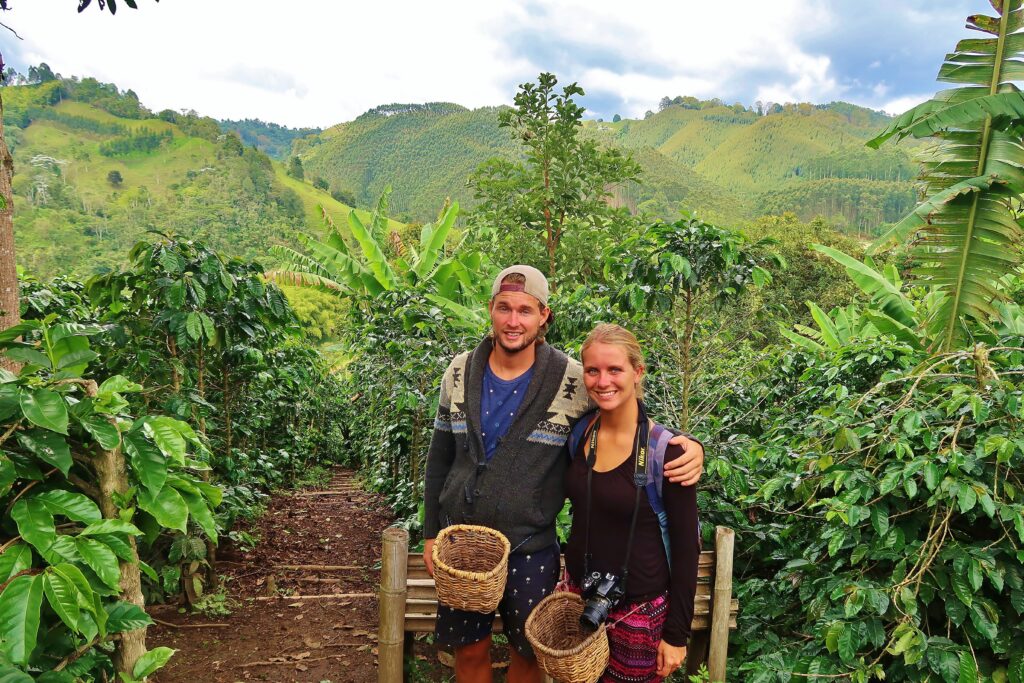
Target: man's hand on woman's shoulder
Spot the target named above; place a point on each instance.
(687, 468)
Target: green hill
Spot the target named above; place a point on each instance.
(94, 171)
(727, 163)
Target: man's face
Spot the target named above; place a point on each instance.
(516, 318)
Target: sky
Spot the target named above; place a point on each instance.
(321, 62)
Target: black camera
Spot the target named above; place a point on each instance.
(601, 592)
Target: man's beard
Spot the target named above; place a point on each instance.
(526, 342)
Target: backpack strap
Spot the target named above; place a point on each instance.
(655, 478)
(580, 430)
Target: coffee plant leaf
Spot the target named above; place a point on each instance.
(63, 598)
(126, 616)
(75, 506)
(151, 661)
(167, 507)
(49, 447)
(16, 558)
(101, 560)
(148, 463)
(20, 605)
(45, 408)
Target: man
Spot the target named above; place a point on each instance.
(497, 459)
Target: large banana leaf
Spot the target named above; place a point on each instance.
(432, 239)
(882, 291)
(964, 234)
(376, 261)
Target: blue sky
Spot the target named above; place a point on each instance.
(319, 63)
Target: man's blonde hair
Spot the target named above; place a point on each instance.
(617, 335)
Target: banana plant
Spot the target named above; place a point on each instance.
(889, 311)
(455, 283)
(965, 232)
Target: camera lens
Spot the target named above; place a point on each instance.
(595, 612)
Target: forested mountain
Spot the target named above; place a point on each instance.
(272, 138)
(94, 170)
(729, 163)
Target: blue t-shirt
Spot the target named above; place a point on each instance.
(498, 405)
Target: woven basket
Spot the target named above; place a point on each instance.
(564, 649)
(470, 567)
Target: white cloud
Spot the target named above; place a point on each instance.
(902, 104)
(319, 63)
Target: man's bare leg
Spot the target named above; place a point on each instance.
(473, 662)
(522, 670)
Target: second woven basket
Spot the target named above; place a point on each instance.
(470, 567)
(567, 652)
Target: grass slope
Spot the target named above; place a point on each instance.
(727, 164)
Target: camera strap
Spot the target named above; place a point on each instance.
(641, 440)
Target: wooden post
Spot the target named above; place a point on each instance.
(720, 603)
(391, 633)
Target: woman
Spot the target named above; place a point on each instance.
(613, 448)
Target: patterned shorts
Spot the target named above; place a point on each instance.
(531, 578)
(634, 635)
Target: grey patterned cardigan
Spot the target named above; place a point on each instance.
(522, 489)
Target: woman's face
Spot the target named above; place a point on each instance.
(608, 375)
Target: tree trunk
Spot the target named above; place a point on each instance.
(687, 360)
(112, 473)
(9, 312)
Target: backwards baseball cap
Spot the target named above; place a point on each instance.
(536, 285)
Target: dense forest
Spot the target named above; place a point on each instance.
(201, 326)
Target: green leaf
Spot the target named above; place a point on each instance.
(126, 616)
(119, 384)
(10, 405)
(151, 661)
(63, 598)
(879, 520)
(974, 575)
(847, 645)
(45, 408)
(35, 524)
(101, 560)
(166, 434)
(111, 526)
(49, 447)
(148, 463)
(105, 433)
(982, 621)
(15, 559)
(86, 595)
(201, 513)
(944, 663)
(121, 547)
(74, 506)
(175, 295)
(167, 507)
(193, 325)
(9, 674)
(20, 604)
(1016, 669)
(967, 498)
(968, 668)
(962, 589)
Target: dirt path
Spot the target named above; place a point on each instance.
(287, 639)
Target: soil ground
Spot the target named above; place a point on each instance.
(272, 637)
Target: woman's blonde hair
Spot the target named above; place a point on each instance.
(617, 335)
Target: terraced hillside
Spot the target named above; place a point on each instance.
(88, 182)
(726, 163)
